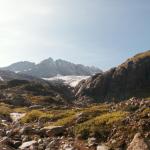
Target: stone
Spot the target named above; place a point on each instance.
(138, 143)
(102, 147)
(68, 147)
(17, 116)
(2, 132)
(16, 144)
(6, 141)
(92, 141)
(52, 144)
(27, 144)
(53, 130)
(26, 130)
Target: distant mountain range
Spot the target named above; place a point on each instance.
(50, 68)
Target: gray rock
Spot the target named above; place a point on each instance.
(26, 130)
(27, 144)
(53, 130)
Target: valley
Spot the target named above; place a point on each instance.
(105, 111)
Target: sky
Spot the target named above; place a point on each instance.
(103, 33)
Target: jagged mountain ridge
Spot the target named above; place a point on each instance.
(132, 78)
(6, 75)
(50, 68)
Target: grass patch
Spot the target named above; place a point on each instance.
(99, 125)
(20, 110)
(35, 115)
(4, 110)
(145, 112)
(65, 121)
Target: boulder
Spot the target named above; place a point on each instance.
(102, 147)
(138, 143)
(53, 130)
(92, 141)
(27, 144)
(26, 130)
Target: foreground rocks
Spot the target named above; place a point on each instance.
(132, 132)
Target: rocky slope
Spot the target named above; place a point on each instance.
(120, 126)
(6, 75)
(28, 93)
(132, 78)
(50, 68)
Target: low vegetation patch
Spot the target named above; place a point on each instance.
(65, 121)
(146, 112)
(99, 125)
(35, 115)
(4, 110)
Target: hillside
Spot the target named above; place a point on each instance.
(50, 68)
(23, 93)
(6, 75)
(132, 78)
(36, 114)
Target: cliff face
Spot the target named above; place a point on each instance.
(132, 78)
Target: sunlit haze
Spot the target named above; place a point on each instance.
(103, 33)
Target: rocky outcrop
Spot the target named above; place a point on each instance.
(131, 78)
(138, 143)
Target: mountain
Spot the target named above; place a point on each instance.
(132, 78)
(40, 114)
(50, 68)
(21, 66)
(6, 75)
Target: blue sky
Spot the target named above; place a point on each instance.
(103, 33)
